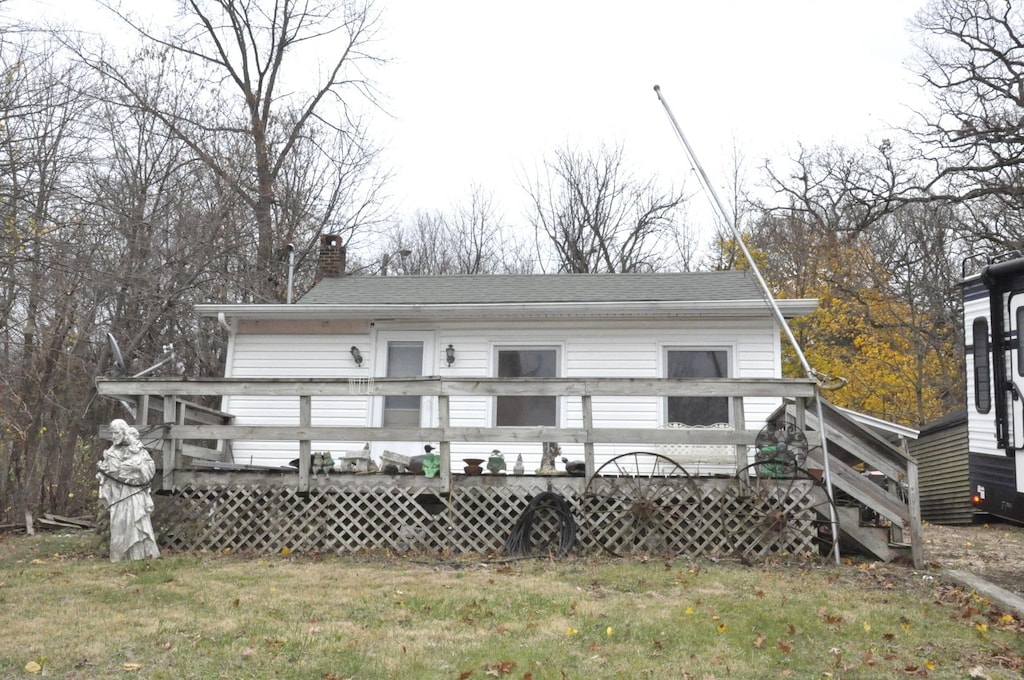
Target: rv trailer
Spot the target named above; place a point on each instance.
(993, 296)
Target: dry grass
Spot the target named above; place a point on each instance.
(70, 613)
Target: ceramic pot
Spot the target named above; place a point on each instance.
(474, 466)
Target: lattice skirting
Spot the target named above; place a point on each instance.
(713, 518)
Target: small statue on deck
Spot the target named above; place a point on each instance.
(552, 452)
(124, 476)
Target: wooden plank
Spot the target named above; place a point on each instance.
(197, 412)
(538, 434)
(201, 452)
(430, 386)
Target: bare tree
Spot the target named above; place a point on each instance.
(597, 216)
(249, 119)
(44, 267)
(471, 239)
(971, 60)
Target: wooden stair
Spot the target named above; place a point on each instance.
(851, 444)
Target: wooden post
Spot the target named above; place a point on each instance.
(305, 420)
(914, 506)
(588, 425)
(170, 444)
(444, 447)
(142, 409)
(739, 423)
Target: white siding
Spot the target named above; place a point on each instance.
(587, 348)
(300, 356)
(981, 427)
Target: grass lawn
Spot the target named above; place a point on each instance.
(67, 612)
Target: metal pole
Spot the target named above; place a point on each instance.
(811, 373)
(291, 270)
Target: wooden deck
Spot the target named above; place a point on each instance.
(211, 502)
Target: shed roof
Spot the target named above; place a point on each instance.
(535, 288)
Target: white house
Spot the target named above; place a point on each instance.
(680, 325)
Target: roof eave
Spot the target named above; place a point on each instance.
(524, 310)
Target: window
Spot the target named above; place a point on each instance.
(405, 360)
(982, 368)
(529, 410)
(697, 363)
(1020, 342)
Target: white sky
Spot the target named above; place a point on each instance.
(480, 92)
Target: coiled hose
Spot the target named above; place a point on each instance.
(519, 543)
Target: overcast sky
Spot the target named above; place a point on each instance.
(480, 92)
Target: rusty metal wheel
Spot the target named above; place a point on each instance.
(780, 510)
(642, 503)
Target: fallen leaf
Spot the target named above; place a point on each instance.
(571, 631)
(608, 631)
(464, 675)
(785, 646)
(978, 672)
(721, 628)
(689, 611)
(867, 627)
(500, 668)
(286, 550)
(32, 667)
(759, 640)
(929, 664)
(132, 667)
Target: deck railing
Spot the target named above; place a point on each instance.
(168, 409)
(171, 401)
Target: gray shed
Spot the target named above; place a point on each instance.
(944, 470)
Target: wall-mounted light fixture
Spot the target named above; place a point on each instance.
(449, 354)
(356, 356)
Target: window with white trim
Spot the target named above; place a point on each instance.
(525, 411)
(697, 363)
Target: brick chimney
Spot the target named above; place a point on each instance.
(332, 257)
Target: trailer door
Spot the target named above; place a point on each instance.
(1015, 349)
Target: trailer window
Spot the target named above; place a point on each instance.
(1020, 342)
(982, 367)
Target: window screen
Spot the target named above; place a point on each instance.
(697, 363)
(529, 410)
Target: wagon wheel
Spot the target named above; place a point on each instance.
(641, 504)
(780, 509)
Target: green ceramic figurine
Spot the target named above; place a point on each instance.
(431, 462)
(496, 463)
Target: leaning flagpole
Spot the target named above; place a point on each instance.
(724, 216)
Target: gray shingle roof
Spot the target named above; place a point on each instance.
(536, 288)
